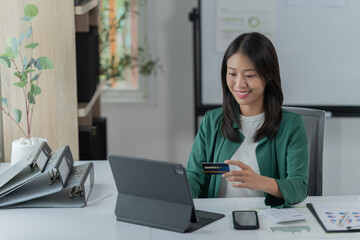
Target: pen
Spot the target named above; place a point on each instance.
(354, 228)
(344, 218)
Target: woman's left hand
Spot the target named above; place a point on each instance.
(244, 178)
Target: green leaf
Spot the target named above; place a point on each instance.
(5, 60)
(31, 98)
(29, 71)
(25, 62)
(4, 55)
(31, 10)
(35, 90)
(17, 114)
(21, 38)
(32, 45)
(34, 78)
(9, 41)
(14, 44)
(4, 101)
(17, 74)
(43, 63)
(20, 84)
(9, 51)
(25, 18)
(38, 64)
(23, 76)
(31, 62)
(29, 31)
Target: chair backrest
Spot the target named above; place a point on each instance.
(314, 120)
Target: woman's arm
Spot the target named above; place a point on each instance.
(294, 168)
(194, 169)
(247, 178)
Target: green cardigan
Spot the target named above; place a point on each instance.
(284, 158)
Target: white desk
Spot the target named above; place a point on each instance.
(98, 222)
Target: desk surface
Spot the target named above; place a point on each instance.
(97, 221)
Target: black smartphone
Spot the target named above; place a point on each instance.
(245, 220)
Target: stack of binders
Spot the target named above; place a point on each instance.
(45, 179)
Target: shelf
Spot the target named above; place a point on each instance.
(85, 108)
(79, 10)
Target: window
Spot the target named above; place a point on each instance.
(123, 51)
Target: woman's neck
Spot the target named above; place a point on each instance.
(251, 111)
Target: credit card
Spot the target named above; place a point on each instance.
(215, 168)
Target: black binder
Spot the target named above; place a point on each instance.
(93, 140)
(88, 143)
(101, 125)
(87, 63)
(80, 2)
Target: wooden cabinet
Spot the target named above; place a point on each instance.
(56, 111)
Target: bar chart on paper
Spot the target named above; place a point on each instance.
(338, 217)
(299, 230)
(286, 232)
(290, 229)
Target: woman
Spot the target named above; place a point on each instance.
(265, 146)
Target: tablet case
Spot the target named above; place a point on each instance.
(51, 180)
(74, 194)
(158, 195)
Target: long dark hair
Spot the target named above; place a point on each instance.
(263, 57)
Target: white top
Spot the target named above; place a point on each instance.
(246, 154)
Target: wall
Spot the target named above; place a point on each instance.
(162, 128)
(342, 156)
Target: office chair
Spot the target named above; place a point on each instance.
(314, 120)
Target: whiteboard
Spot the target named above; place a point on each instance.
(318, 46)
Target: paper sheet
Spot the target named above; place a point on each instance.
(331, 215)
(305, 229)
(234, 17)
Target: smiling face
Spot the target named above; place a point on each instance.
(245, 84)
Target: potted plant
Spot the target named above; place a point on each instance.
(27, 72)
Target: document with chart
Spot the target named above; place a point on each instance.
(338, 217)
(308, 229)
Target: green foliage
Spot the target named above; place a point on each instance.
(29, 32)
(31, 10)
(35, 90)
(32, 45)
(21, 38)
(17, 115)
(27, 71)
(34, 78)
(10, 53)
(43, 63)
(5, 60)
(111, 67)
(20, 84)
(4, 101)
(31, 98)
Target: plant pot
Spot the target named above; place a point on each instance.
(22, 147)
